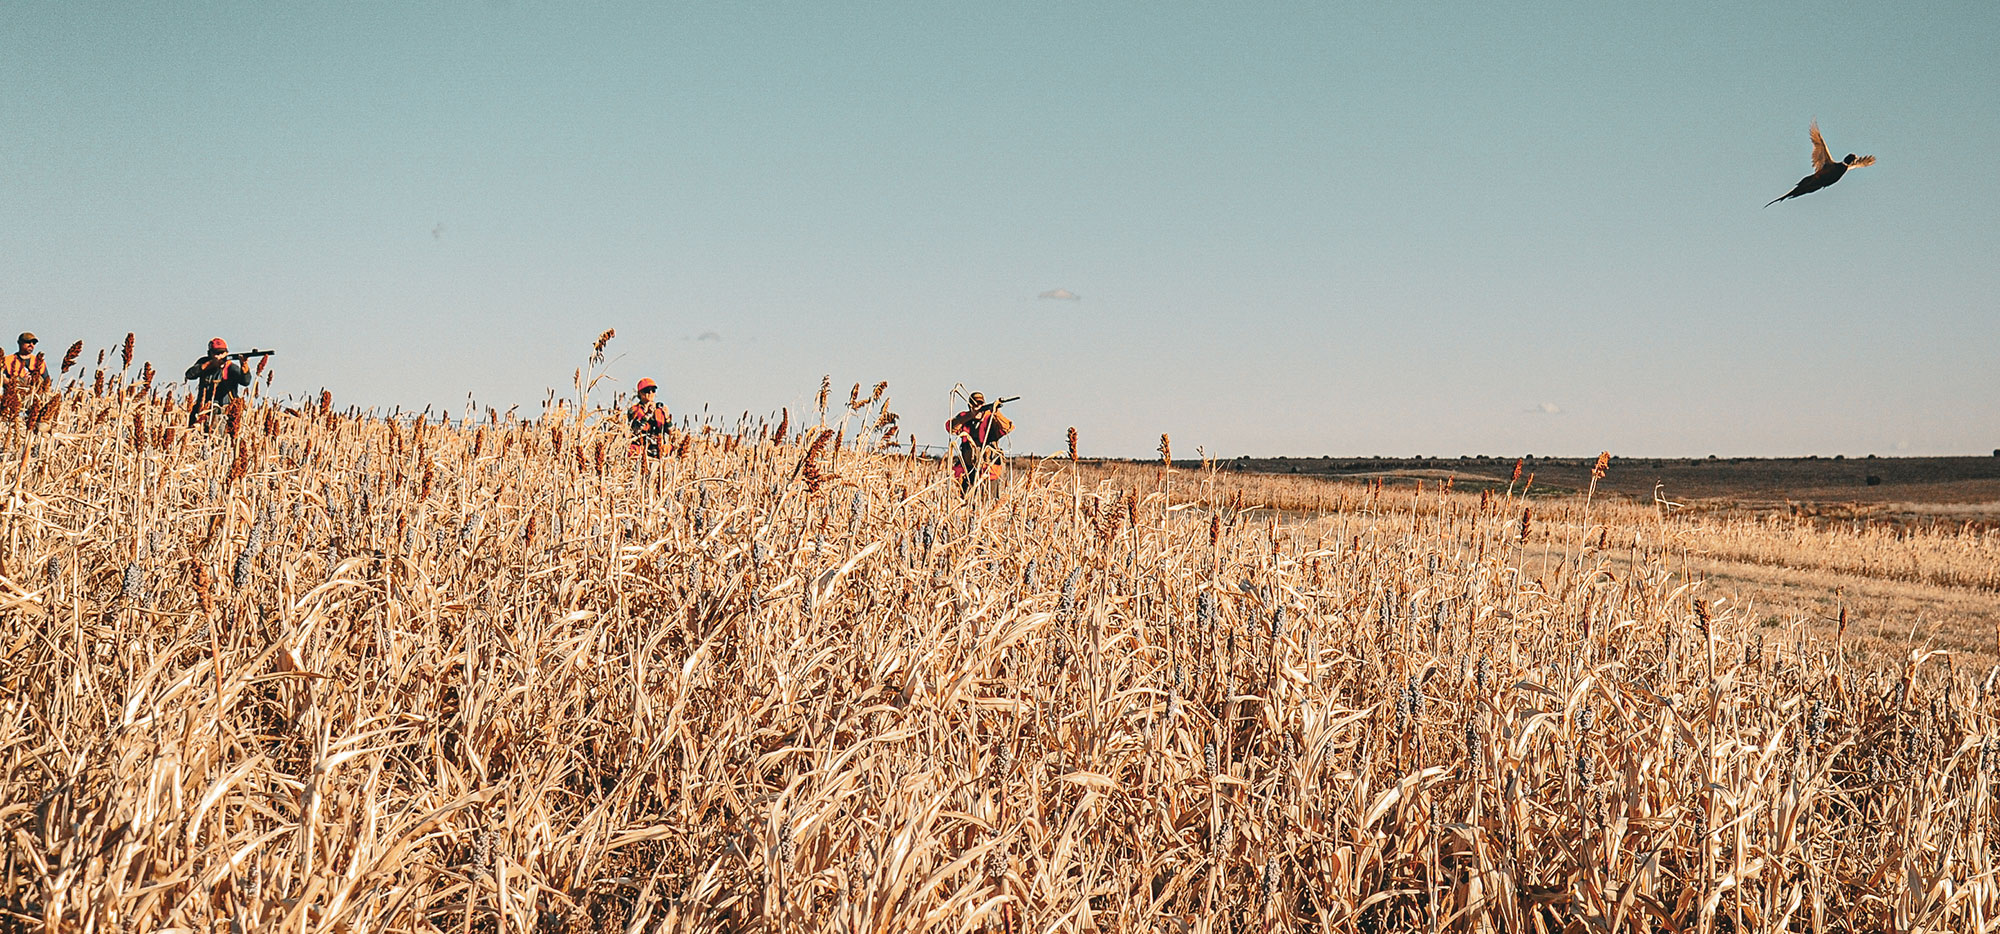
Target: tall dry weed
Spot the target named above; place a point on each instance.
(319, 672)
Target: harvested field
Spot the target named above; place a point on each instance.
(324, 672)
(1787, 537)
(1913, 485)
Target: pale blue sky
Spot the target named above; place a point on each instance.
(1296, 228)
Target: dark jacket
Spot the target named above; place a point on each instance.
(220, 378)
(983, 427)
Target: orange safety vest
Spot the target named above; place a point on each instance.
(648, 425)
(34, 369)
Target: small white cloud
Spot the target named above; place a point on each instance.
(1548, 408)
(709, 336)
(1061, 295)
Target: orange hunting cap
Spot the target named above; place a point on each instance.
(217, 344)
(646, 384)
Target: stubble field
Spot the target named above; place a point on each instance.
(323, 672)
(1792, 539)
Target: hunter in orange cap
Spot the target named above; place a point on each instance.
(648, 420)
(26, 371)
(220, 375)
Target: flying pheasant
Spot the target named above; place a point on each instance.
(1825, 170)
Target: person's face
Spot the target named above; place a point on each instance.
(27, 347)
(646, 396)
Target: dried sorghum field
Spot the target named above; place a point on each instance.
(316, 671)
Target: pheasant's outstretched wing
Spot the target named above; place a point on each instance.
(1864, 160)
(1820, 158)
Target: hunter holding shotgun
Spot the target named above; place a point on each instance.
(221, 374)
(979, 429)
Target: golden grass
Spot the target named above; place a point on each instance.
(343, 674)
